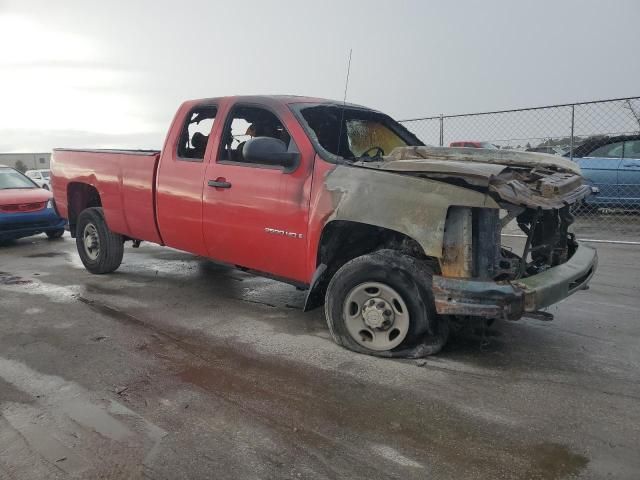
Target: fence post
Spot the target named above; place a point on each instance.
(441, 130)
(573, 123)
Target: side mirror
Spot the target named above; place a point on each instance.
(270, 151)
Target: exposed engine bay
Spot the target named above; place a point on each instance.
(535, 190)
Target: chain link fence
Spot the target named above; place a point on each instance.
(603, 137)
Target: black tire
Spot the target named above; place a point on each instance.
(111, 245)
(46, 187)
(55, 233)
(411, 279)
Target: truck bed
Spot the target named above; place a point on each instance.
(125, 180)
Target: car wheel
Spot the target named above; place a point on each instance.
(55, 233)
(99, 248)
(45, 186)
(382, 304)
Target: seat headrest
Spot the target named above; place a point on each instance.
(199, 141)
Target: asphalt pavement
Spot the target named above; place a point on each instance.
(175, 367)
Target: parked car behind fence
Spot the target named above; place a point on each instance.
(612, 165)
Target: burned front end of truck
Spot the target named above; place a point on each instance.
(479, 275)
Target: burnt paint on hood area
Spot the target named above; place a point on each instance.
(475, 156)
(521, 178)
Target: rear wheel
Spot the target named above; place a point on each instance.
(99, 248)
(381, 304)
(55, 233)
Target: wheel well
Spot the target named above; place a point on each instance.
(342, 241)
(79, 197)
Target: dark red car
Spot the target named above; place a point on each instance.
(473, 144)
(25, 208)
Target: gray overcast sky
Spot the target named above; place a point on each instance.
(111, 73)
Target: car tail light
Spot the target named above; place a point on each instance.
(22, 207)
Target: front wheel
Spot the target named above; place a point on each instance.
(99, 248)
(381, 304)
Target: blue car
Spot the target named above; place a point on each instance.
(25, 208)
(612, 165)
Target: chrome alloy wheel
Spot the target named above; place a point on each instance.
(376, 316)
(91, 241)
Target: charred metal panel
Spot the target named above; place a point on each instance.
(554, 284)
(457, 296)
(484, 156)
(471, 245)
(519, 178)
(415, 207)
(558, 183)
(457, 250)
(533, 190)
(486, 242)
(511, 299)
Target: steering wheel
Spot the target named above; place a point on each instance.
(379, 152)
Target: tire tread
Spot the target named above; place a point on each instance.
(111, 244)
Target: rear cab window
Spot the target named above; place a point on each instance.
(195, 133)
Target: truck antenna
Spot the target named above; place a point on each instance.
(344, 102)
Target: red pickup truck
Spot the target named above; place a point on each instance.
(397, 239)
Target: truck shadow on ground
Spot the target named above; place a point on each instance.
(524, 344)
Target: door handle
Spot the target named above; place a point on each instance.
(219, 183)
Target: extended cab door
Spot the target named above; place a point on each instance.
(180, 178)
(254, 215)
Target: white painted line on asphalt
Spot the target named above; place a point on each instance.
(41, 439)
(55, 293)
(591, 240)
(395, 456)
(67, 398)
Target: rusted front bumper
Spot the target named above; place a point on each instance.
(459, 296)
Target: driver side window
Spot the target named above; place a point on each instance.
(245, 123)
(613, 150)
(632, 149)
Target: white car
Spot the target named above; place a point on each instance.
(41, 177)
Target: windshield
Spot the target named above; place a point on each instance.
(10, 178)
(354, 133)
